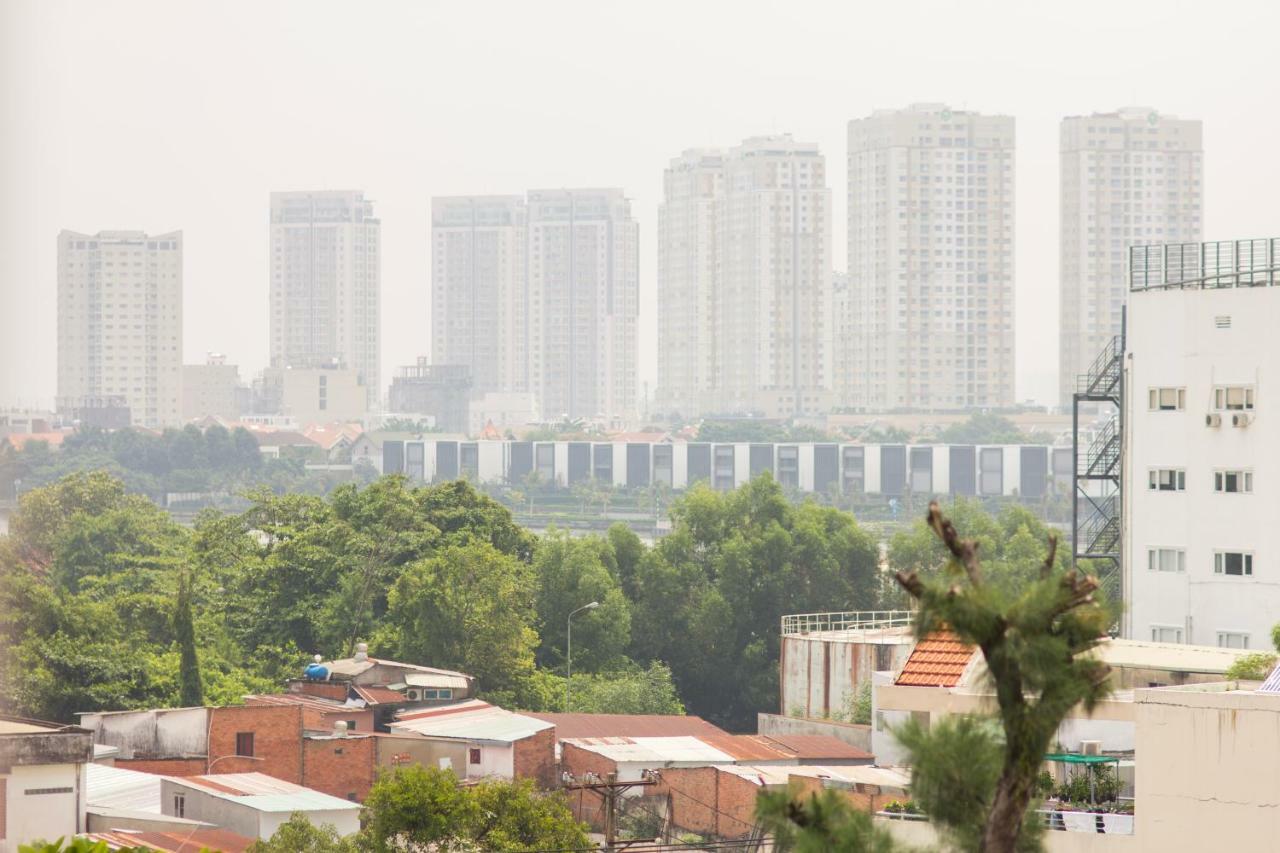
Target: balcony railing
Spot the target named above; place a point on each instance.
(850, 620)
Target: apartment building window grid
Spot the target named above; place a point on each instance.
(1167, 480)
(1167, 559)
(1233, 563)
(1233, 482)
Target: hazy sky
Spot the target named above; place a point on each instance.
(184, 115)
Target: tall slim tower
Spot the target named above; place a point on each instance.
(687, 282)
(1129, 177)
(772, 308)
(326, 254)
(583, 284)
(120, 323)
(479, 298)
(931, 203)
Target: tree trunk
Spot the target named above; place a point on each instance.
(1008, 809)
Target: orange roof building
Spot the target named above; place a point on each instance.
(938, 660)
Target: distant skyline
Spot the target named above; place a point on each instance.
(159, 117)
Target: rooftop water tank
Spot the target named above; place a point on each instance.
(316, 672)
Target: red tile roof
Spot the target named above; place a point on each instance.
(379, 695)
(939, 660)
(626, 725)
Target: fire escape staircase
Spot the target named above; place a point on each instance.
(1098, 461)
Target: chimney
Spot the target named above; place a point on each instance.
(340, 728)
(362, 652)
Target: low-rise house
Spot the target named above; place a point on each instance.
(42, 780)
(498, 742)
(253, 804)
(423, 684)
(573, 726)
(160, 740)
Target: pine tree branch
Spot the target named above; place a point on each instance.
(964, 550)
(1047, 569)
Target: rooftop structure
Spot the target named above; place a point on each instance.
(254, 804)
(938, 660)
(626, 725)
(472, 721)
(195, 840)
(41, 768)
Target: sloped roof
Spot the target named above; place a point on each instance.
(654, 750)
(627, 725)
(379, 695)
(193, 841)
(471, 721)
(315, 703)
(118, 788)
(938, 660)
(264, 793)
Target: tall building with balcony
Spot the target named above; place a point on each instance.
(584, 293)
(931, 257)
(326, 254)
(1128, 177)
(688, 282)
(120, 324)
(479, 294)
(1201, 466)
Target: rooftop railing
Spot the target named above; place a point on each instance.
(1222, 264)
(850, 620)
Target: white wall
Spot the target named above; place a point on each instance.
(346, 822)
(31, 817)
(1174, 341)
(495, 760)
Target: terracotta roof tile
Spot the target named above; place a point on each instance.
(939, 660)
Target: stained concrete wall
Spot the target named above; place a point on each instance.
(777, 724)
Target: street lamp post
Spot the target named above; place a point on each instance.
(233, 755)
(568, 665)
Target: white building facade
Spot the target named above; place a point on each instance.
(1129, 177)
(1201, 471)
(584, 297)
(931, 257)
(120, 323)
(326, 282)
(479, 295)
(687, 282)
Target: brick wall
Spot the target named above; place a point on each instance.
(277, 740)
(166, 766)
(342, 767)
(336, 690)
(576, 760)
(709, 801)
(534, 758)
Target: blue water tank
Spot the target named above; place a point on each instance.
(316, 672)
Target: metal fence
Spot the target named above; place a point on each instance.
(849, 620)
(1226, 263)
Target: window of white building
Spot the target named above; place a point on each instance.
(1167, 480)
(1166, 634)
(1233, 563)
(1166, 559)
(1233, 640)
(1233, 481)
(1167, 399)
(1233, 397)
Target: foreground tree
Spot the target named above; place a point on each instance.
(976, 781)
(299, 835)
(423, 808)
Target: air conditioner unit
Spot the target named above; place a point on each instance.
(1240, 420)
(1213, 420)
(1091, 747)
(411, 695)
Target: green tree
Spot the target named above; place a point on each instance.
(819, 823)
(424, 808)
(299, 835)
(192, 694)
(1251, 667)
(469, 607)
(987, 428)
(572, 572)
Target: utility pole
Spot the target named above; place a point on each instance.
(610, 790)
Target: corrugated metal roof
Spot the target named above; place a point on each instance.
(627, 725)
(315, 703)
(938, 660)
(848, 775)
(264, 793)
(379, 695)
(116, 787)
(436, 679)
(351, 666)
(173, 842)
(488, 723)
(653, 750)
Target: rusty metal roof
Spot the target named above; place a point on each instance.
(627, 725)
(785, 747)
(191, 841)
(939, 660)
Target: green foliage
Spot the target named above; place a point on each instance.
(77, 845)
(710, 595)
(1251, 667)
(856, 707)
(985, 428)
(819, 823)
(190, 693)
(299, 835)
(631, 690)
(1090, 784)
(572, 572)
(760, 431)
(423, 807)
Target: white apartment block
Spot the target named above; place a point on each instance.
(846, 332)
(584, 291)
(773, 302)
(1201, 465)
(212, 389)
(325, 283)
(1129, 177)
(687, 282)
(120, 323)
(479, 298)
(931, 258)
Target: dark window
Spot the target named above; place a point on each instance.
(351, 725)
(474, 757)
(244, 743)
(179, 805)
